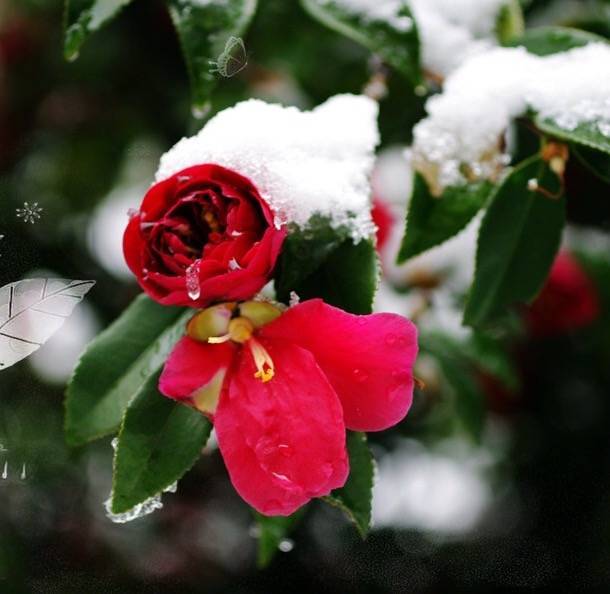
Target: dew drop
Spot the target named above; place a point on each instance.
(390, 339)
(286, 545)
(400, 377)
(360, 375)
(192, 281)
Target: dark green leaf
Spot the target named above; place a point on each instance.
(432, 221)
(355, 497)
(593, 160)
(586, 134)
(205, 30)
(304, 251)
(518, 240)
(272, 531)
(323, 262)
(115, 365)
(347, 278)
(544, 41)
(82, 17)
(395, 40)
(159, 441)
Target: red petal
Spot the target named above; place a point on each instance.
(191, 365)
(283, 441)
(367, 359)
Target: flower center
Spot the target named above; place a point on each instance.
(224, 322)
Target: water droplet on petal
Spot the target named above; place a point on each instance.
(390, 339)
(360, 375)
(193, 287)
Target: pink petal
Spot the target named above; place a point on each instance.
(367, 359)
(193, 365)
(283, 441)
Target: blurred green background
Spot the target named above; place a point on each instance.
(522, 501)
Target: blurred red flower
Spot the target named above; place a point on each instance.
(568, 300)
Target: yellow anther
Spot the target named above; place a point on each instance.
(211, 220)
(262, 360)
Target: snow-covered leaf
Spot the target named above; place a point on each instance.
(31, 311)
(83, 17)
(594, 135)
(205, 29)
(386, 28)
(544, 41)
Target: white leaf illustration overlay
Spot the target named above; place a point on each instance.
(32, 310)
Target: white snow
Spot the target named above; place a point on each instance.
(302, 162)
(453, 30)
(460, 140)
(449, 30)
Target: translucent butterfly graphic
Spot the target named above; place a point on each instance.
(232, 60)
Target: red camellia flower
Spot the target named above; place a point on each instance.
(567, 302)
(201, 236)
(384, 218)
(282, 387)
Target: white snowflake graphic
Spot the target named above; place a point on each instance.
(30, 213)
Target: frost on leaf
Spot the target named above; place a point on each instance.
(31, 311)
(302, 162)
(461, 140)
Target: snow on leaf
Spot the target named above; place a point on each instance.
(31, 311)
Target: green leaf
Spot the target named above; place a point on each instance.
(510, 23)
(159, 441)
(586, 134)
(355, 497)
(433, 220)
(82, 17)
(115, 364)
(272, 531)
(323, 262)
(394, 39)
(544, 41)
(518, 240)
(205, 30)
(595, 161)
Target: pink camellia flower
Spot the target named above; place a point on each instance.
(568, 300)
(282, 387)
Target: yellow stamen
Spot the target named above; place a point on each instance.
(211, 220)
(262, 360)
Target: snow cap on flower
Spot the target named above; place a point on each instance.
(301, 162)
